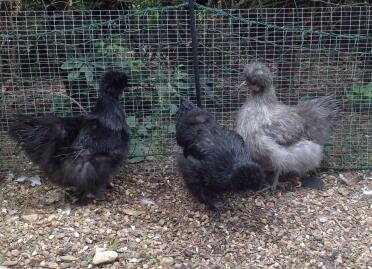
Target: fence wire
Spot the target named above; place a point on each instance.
(50, 62)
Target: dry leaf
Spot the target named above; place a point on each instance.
(132, 212)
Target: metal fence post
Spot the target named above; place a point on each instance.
(194, 44)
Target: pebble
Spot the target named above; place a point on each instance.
(348, 180)
(64, 265)
(339, 259)
(104, 256)
(328, 245)
(166, 261)
(52, 265)
(15, 252)
(30, 217)
(51, 217)
(53, 198)
(10, 263)
(60, 235)
(68, 258)
(343, 191)
(135, 254)
(134, 260)
(367, 191)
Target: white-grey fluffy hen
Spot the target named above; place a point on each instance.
(284, 139)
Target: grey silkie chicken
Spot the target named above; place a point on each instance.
(284, 139)
(82, 152)
(214, 159)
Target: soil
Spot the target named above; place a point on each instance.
(151, 221)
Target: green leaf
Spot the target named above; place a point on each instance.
(153, 17)
(131, 121)
(71, 64)
(182, 85)
(88, 71)
(350, 97)
(173, 109)
(99, 65)
(60, 106)
(148, 122)
(201, 16)
(171, 128)
(367, 90)
(122, 64)
(95, 86)
(142, 130)
(73, 75)
(136, 159)
(137, 155)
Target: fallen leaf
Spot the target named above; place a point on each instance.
(132, 212)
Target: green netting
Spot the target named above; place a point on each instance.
(50, 63)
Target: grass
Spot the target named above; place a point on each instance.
(90, 256)
(114, 244)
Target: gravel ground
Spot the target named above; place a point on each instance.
(151, 221)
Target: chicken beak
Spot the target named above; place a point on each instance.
(252, 87)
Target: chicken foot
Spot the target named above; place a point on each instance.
(275, 184)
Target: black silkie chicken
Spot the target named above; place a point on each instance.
(80, 152)
(214, 159)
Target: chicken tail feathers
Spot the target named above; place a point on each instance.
(113, 83)
(248, 176)
(37, 136)
(321, 115)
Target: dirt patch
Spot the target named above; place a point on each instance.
(150, 219)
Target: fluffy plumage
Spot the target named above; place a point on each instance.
(283, 138)
(80, 152)
(214, 159)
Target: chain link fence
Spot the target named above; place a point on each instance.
(50, 62)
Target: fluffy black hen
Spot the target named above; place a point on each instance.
(214, 159)
(80, 152)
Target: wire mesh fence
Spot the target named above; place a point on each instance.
(50, 62)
